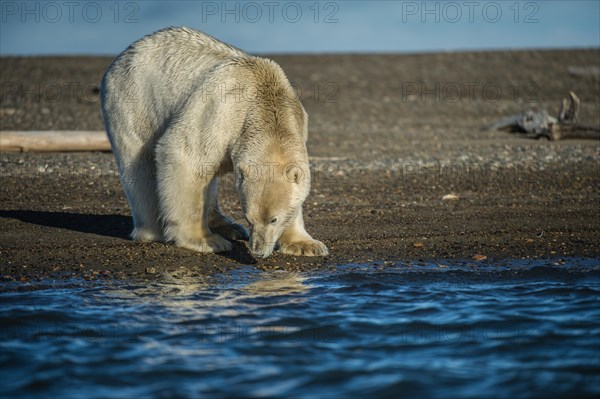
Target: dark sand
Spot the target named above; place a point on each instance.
(384, 155)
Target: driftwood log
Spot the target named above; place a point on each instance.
(533, 123)
(538, 124)
(53, 141)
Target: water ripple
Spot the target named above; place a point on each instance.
(521, 329)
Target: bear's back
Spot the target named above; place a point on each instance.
(172, 56)
(154, 74)
(183, 42)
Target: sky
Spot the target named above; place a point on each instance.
(72, 27)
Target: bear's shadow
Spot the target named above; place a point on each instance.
(105, 225)
(239, 253)
(117, 226)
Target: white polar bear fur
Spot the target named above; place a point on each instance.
(180, 109)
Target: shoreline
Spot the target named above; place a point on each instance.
(385, 161)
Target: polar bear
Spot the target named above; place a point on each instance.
(181, 109)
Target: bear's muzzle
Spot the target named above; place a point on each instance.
(259, 246)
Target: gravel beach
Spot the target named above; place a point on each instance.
(402, 170)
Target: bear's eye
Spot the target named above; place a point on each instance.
(274, 220)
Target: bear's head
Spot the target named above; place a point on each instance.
(272, 192)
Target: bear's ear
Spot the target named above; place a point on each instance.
(294, 173)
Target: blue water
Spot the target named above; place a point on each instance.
(527, 329)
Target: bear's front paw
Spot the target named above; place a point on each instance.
(232, 231)
(210, 243)
(304, 248)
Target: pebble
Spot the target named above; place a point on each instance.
(450, 197)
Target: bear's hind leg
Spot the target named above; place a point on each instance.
(184, 196)
(220, 223)
(139, 183)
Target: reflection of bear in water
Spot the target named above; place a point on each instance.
(181, 108)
